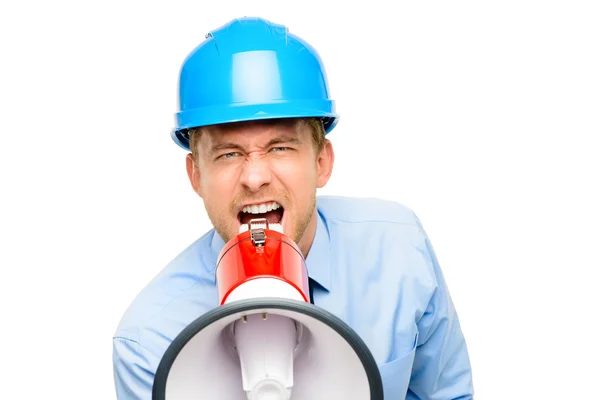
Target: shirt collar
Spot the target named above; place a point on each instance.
(216, 245)
(317, 261)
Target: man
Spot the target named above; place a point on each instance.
(255, 110)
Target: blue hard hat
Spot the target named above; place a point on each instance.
(251, 69)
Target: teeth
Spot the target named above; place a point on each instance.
(261, 208)
(273, 227)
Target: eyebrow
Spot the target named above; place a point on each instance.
(224, 146)
(283, 139)
(275, 140)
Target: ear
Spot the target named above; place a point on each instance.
(325, 164)
(193, 173)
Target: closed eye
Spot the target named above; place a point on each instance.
(276, 149)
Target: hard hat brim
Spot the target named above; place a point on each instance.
(222, 114)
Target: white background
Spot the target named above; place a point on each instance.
(483, 117)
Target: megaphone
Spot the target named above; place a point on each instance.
(265, 340)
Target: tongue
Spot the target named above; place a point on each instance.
(272, 217)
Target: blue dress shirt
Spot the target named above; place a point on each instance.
(374, 268)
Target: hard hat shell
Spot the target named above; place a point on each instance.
(251, 69)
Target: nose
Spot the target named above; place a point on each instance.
(256, 173)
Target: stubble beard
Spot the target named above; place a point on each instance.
(225, 229)
(303, 222)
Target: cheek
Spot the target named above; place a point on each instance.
(218, 186)
(297, 177)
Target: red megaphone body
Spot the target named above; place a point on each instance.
(261, 262)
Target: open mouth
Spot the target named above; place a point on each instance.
(271, 211)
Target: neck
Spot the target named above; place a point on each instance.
(308, 237)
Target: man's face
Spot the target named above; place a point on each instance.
(260, 169)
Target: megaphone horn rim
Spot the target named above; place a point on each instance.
(344, 330)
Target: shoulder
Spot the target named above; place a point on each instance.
(172, 283)
(365, 210)
(384, 227)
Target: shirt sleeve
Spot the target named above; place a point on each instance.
(131, 367)
(441, 368)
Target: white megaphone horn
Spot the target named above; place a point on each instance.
(266, 341)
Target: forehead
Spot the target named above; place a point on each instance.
(254, 129)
